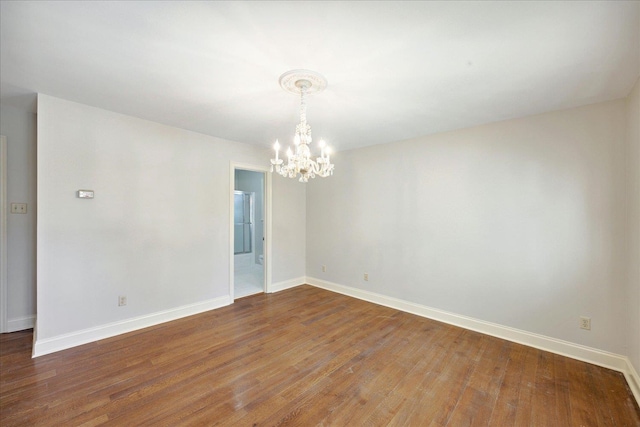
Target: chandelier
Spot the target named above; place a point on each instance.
(300, 162)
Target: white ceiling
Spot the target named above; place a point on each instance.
(396, 70)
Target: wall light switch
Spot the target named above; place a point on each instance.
(85, 194)
(18, 208)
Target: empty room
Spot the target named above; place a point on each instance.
(336, 213)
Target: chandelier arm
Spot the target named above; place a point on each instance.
(315, 167)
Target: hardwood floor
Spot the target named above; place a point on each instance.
(303, 357)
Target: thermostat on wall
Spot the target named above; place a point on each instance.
(85, 194)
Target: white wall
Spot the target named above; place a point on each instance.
(520, 223)
(633, 221)
(157, 230)
(290, 226)
(19, 126)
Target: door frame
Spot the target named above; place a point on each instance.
(267, 223)
(3, 234)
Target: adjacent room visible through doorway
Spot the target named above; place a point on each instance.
(248, 233)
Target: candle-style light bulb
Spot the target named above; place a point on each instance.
(289, 152)
(276, 147)
(322, 145)
(327, 151)
(296, 139)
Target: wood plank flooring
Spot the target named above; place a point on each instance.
(306, 357)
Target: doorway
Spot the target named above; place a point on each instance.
(248, 235)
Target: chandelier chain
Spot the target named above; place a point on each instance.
(303, 105)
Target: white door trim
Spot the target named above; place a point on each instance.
(267, 231)
(3, 234)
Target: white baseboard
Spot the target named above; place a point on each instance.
(291, 283)
(575, 351)
(633, 379)
(565, 348)
(21, 323)
(65, 341)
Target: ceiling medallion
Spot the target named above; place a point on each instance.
(303, 83)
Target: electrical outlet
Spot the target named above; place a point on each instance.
(18, 208)
(122, 300)
(324, 268)
(585, 323)
(366, 277)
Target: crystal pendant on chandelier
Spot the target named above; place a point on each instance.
(300, 162)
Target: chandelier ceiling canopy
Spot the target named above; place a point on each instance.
(300, 162)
